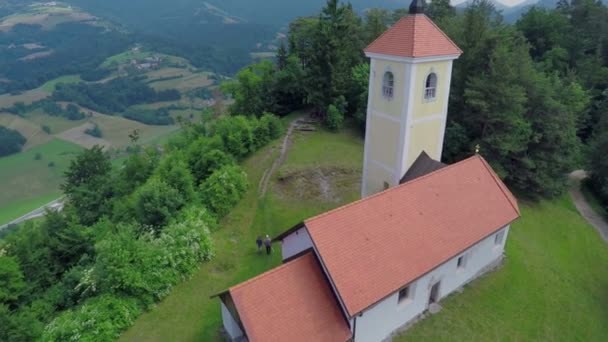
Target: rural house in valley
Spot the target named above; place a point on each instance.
(421, 231)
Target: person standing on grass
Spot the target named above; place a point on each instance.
(258, 242)
(268, 244)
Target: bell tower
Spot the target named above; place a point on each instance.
(409, 88)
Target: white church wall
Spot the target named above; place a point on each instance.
(230, 325)
(380, 321)
(295, 243)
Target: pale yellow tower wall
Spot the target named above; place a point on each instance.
(394, 106)
(400, 128)
(426, 126)
(421, 107)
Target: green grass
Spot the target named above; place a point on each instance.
(553, 286)
(26, 182)
(16, 209)
(50, 85)
(188, 314)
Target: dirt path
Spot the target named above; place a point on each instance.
(263, 186)
(583, 206)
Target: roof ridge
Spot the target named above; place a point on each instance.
(443, 33)
(269, 272)
(503, 188)
(314, 218)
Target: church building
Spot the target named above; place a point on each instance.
(421, 231)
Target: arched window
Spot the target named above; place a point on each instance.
(387, 85)
(430, 87)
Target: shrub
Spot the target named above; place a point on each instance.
(46, 129)
(273, 124)
(94, 132)
(174, 171)
(51, 164)
(223, 189)
(156, 203)
(131, 266)
(99, 319)
(334, 119)
(211, 162)
(186, 244)
(236, 134)
(38, 156)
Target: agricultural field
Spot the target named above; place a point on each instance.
(31, 130)
(27, 97)
(188, 81)
(46, 15)
(32, 177)
(554, 270)
(50, 85)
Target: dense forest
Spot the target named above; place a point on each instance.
(126, 235)
(116, 96)
(532, 95)
(11, 141)
(94, 45)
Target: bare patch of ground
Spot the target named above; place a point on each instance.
(325, 184)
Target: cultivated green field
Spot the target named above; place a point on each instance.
(50, 85)
(28, 183)
(552, 287)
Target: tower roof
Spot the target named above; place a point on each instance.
(414, 36)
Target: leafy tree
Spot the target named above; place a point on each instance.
(87, 184)
(12, 285)
(68, 241)
(11, 141)
(236, 134)
(359, 92)
(252, 89)
(273, 125)
(136, 170)
(156, 203)
(440, 9)
(174, 171)
(223, 189)
(598, 164)
(376, 22)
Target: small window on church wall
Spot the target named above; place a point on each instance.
(430, 89)
(404, 294)
(499, 237)
(388, 84)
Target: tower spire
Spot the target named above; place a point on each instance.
(417, 7)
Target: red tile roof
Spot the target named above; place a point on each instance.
(414, 36)
(292, 302)
(373, 247)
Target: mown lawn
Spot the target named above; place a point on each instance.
(553, 286)
(188, 314)
(27, 183)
